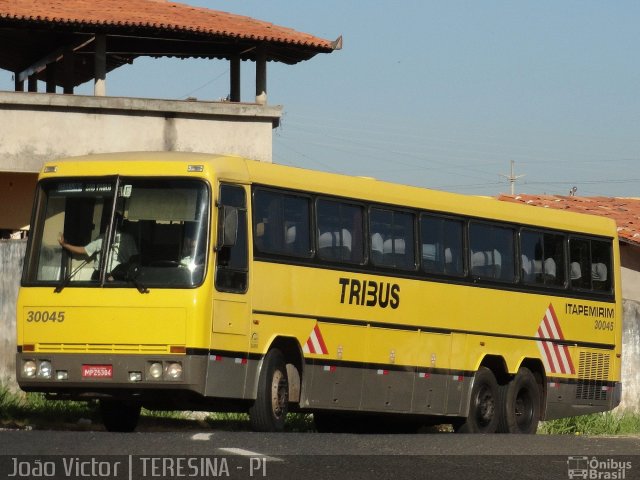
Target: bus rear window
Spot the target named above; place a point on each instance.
(590, 264)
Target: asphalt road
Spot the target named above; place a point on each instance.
(243, 455)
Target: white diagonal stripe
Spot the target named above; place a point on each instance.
(552, 325)
(543, 355)
(316, 343)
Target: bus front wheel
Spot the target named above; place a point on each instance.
(484, 407)
(520, 404)
(269, 411)
(119, 416)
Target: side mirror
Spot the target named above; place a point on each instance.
(228, 227)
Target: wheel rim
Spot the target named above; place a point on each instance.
(279, 394)
(524, 409)
(485, 406)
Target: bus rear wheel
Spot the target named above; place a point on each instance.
(119, 416)
(269, 411)
(484, 407)
(520, 404)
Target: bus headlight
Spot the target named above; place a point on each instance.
(174, 371)
(44, 369)
(155, 370)
(29, 368)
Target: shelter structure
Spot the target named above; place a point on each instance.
(53, 46)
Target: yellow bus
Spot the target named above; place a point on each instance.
(216, 283)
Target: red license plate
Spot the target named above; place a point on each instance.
(97, 371)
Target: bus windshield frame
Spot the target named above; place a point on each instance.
(155, 231)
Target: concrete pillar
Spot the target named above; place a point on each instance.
(50, 72)
(234, 90)
(32, 83)
(68, 65)
(261, 79)
(100, 66)
(19, 84)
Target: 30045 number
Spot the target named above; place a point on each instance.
(45, 316)
(603, 325)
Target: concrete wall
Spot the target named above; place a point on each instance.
(16, 191)
(631, 357)
(11, 256)
(36, 127)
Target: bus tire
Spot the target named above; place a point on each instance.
(269, 411)
(520, 404)
(484, 405)
(119, 416)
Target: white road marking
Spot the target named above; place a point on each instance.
(204, 437)
(249, 453)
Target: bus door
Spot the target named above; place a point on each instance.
(227, 366)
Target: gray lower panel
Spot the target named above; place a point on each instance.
(568, 399)
(231, 377)
(381, 390)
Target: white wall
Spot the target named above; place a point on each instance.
(631, 356)
(37, 127)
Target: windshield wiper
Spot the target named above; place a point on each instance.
(65, 280)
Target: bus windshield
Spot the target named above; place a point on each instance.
(154, 232)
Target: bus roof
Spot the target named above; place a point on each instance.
(234, 168)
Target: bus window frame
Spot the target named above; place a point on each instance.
(463, 240)
(279, 254)
(369, 268)
(515, 280)
(394, 208)
(565, 253)
(217, 267)
(591, 290)
(364, 230)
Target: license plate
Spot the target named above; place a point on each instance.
(97, 371)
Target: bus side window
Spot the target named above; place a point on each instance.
(339, 231)
(441, 245)
(492, 251)
(600, 265)
(232, 261)
(580, 263)
(542, 258)
(554, 260)
(393, 231)
(281, 223)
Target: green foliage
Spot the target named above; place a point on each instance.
(23, 409)
(296, 422)
(606, 423)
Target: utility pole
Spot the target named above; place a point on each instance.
(512, 178)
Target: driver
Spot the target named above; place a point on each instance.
(122, 249)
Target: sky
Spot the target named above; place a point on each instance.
(441, 95)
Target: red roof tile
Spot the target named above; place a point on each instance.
(157, 14)
(624, 211)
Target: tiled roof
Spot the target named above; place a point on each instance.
(156, 14)
(624, 211)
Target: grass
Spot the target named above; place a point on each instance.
(22, 410)
(606, 423)
(33, 410)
